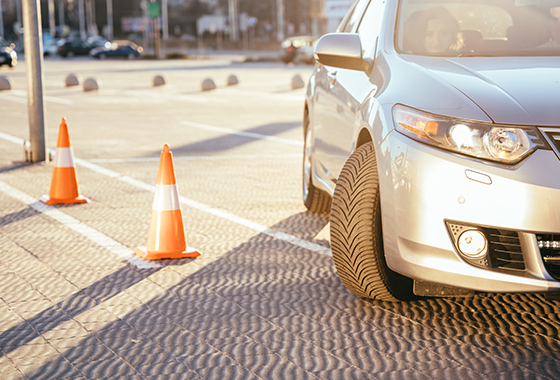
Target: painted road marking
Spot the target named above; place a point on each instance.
(77, 226)
(230, 131)
(20, 96)
(200, 158)
(222, 214)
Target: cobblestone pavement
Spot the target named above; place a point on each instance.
(264, 300)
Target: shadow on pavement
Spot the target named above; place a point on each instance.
(230, 141)
(268, 309)
(16, 165)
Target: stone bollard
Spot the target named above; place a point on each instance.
(297, 82)
(159, 80)
(73, 80)
(208, 85)
(232, 80)
(5, 83)
(91, 84)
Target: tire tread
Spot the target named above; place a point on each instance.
(356, 245)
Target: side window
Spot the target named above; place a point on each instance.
(370, 27)
(354, 17)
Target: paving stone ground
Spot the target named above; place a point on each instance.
(255, 305)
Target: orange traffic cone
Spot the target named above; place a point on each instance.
(166, 237)
(64, 184)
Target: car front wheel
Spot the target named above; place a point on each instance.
(356, 234)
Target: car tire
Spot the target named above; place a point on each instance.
(356, 233)
(315, 200)
(131, 57)
(102, 56)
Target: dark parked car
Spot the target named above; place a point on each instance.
(432, 136)
(8, 55)
(117, 49)
(70, 48)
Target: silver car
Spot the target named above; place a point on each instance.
(432, 135)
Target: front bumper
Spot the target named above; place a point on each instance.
(426, 191)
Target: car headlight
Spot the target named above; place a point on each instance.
(501, 143)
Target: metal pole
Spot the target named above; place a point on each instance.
(34, 66)
(61, 21)
(155, 21)
(164, 20)
(144, 6)
(109, 19)
(1, 21)
(233, 20)
(93, 13)
(280, 14)
(81, 16)
(18, 12)
(89, 20)
(52, 25)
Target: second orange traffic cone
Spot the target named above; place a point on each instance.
(166, 236)
(64, 183)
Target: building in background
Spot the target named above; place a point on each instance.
(263, 19)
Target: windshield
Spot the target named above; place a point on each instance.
(479, 27)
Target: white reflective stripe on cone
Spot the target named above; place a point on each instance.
(63, 158)
(166, 198)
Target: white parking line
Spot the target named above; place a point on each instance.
(200, 158)
(283, 96)
(230, 131)
(222, 214)
(20, 96)
(13, 98)
(75, 225)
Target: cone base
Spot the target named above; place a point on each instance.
(143, 253)
(53, 201)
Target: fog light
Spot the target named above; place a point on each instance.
(472, 243)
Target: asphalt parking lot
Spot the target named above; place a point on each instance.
(263, 301)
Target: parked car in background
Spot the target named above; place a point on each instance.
(50, 45)
(117, 49)
(73, 47)
(8, 56)
(432, 136)
(298, 49)
(96, 41)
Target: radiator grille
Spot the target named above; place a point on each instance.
(504, 249)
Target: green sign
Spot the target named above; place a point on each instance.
(153, 9)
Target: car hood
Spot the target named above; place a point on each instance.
(520, 90)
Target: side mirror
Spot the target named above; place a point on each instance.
(343, 50)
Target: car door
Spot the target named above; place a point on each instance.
(325, 100)
(344, 92)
